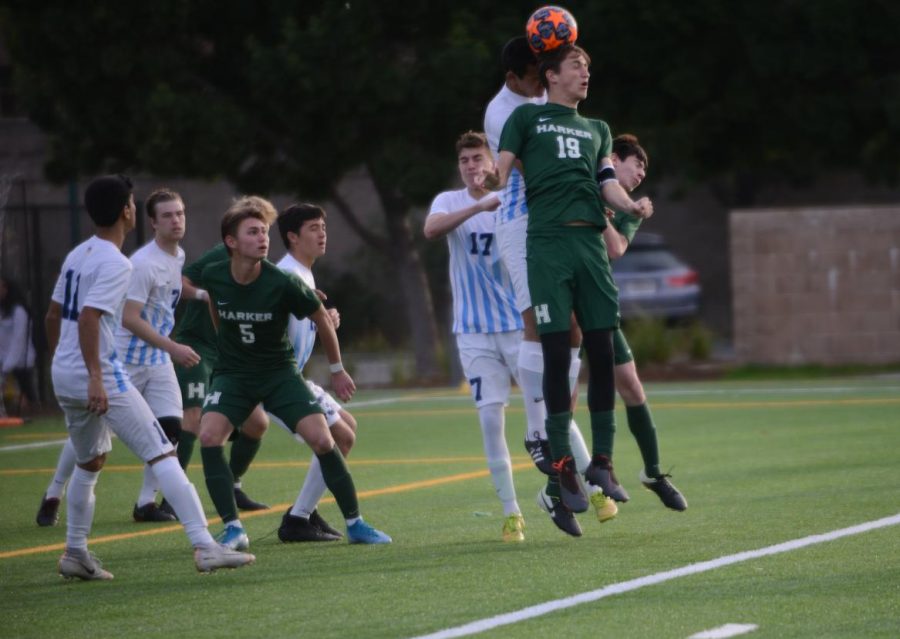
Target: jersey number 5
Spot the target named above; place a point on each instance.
(247, 335)
(568, 147)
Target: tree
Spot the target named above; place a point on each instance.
(274, 97)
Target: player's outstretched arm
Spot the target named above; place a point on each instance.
(89, 341)
(189, 291)
(131, 319)
(439, 224)
(341, 381)
(496, 181)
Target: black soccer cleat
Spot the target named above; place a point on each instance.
(665, 490)
(571, 491)
(562, 517)
(316, 520)
(539, 449)
(48, 513)
(600, 473)
(151, 512)
(294, 529)
(166, 507)
(243, 502)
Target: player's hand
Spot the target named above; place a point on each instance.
(321, 295)
(343, 386)
(98, 403)
(643, 208)
(491, 180)
(334, 316)
(184, 355)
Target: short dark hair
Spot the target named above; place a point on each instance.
(472, 140)
(517, 56)
(626, 145)
(106, 196)
(292, 218)
(158, 197)
(552, 60)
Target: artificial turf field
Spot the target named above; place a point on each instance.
(760, 463)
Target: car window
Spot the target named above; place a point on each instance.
(642, 261)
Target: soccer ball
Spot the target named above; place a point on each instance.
(549, 28)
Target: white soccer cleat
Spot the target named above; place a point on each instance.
(82, 564)
(210, 558)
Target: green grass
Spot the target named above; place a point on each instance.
(760, 462)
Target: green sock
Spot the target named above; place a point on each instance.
(553, 487)
(340, 483)
(603, 431)
(219, 482)
(243, 451)
(558, 435)
(641, 424)
(186, 443)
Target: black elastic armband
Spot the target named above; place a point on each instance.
(606, 174)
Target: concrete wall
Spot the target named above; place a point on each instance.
(816, 285)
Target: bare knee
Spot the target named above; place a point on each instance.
(314, 431)
(214, 430)
(95, 465)
(344, 436)
(191, 420)
(256, 425)
(629, 386)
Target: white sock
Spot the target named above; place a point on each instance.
(182, 495)
(237, 484)
(579, 448)
(148, 488)
(530, 366)
(80, 508)
(497, 453)
(65, 465)
(574, 369)
(311, 492)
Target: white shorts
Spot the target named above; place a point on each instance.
(510, 239)
(159, 387)
(128, 417)
(327, 403)
(488, 361)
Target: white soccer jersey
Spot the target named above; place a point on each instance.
(302, 332)
(94, 274)
(155, 283)
(483, 298)
(498, 111)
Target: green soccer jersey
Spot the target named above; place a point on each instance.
(559, 151)
(626, 224)
(195, 326)
(253, 318)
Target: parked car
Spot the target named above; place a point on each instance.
(653, 282)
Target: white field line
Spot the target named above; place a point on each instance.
(483, 625)
(728, 630)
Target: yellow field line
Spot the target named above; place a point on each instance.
(277, 509)
(799, 403)
(131, 468)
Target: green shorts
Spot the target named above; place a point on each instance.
(569, 271)
(194, 381)
(283, 392)
(621, 350)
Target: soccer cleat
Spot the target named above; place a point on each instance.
(209, 558)
(571, 491)
(606, 508)
(294, 528)
(166, 507)
(600, 473)
(245, 503)
(234, 538)
(48, 513)
(539, 449)
(316, 520)
(363, 533)
(665, 490)
(562, 517)
(513, 527)
(151, 512)
(82, 564)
